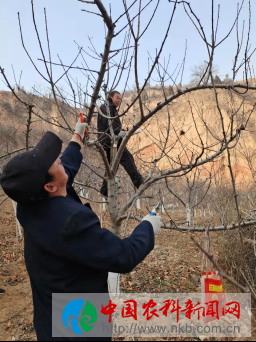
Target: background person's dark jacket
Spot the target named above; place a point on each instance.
(67, 251)
(103, 123)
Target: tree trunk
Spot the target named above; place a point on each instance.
(188, 212)
(113, 205)
(113, 192)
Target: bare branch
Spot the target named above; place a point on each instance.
(221, 272)
(105, 57)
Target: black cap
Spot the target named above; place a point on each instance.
(24, 177)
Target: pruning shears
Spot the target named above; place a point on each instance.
(82, 121)
(155, 210)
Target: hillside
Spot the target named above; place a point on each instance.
(14, 115)
(145, 145)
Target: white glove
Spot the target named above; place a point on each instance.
(122, 134)
(80, 129)
(155, 221)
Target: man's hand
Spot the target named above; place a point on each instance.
(155, 221)
(80, 129)
(122, 134)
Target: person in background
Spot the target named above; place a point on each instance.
(127, 160)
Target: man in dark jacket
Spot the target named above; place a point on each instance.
(66, 250)
(127, 160)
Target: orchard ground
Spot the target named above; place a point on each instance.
(173, 267)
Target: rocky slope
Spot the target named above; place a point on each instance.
(184, 139)
(200, 108)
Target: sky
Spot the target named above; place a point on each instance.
(67, 23)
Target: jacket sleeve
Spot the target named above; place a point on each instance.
(71, 160)
(85, 242)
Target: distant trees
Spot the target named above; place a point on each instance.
(217, 80)
(200, 73)
(227, 79)
(171, 90)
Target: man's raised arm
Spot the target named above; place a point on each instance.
(72, 157)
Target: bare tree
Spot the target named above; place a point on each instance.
(199, 73)
(180, 145)
(190, 191)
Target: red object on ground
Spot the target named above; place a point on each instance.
(213, 292)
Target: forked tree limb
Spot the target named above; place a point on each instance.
(178, 171)
(105, 58)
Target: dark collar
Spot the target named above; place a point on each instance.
(111, 103)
